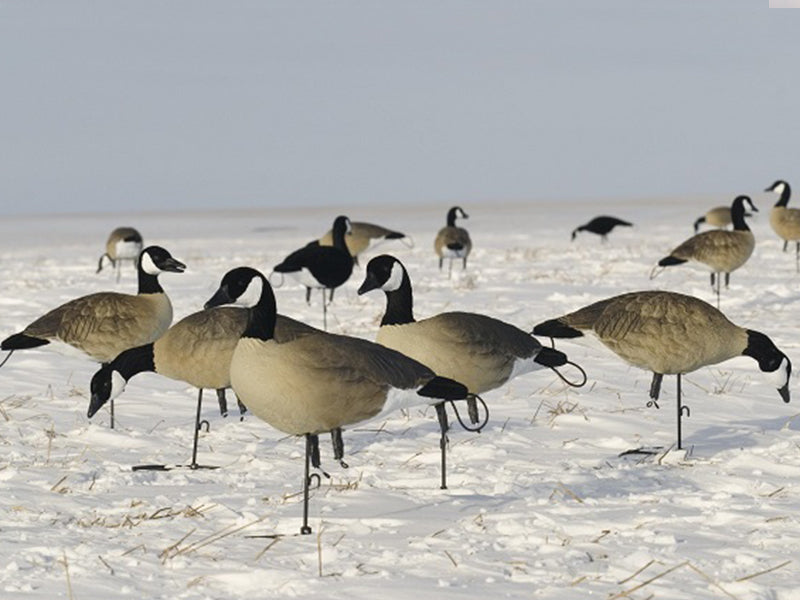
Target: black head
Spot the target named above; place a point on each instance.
(455, 212)
(770, 360)
(777, 187)
(106, 385)
(242, 285)
(383, 272)
(342, 224)
(155, 259)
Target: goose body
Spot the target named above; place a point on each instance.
(718, 217)
(722, 251)
(481, 352)
(319, 383)
(669, 334)
(123, 244)
(103, 324)
(785, 221)
(362, 235)
(451, 241)
(601, 226)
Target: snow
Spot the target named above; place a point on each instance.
(540, 505)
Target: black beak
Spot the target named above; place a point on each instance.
(370, 283)
(220, 297)
(784, 392)
(94, 405)
(172, 265)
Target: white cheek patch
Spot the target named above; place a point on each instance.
(779, 188)
(117, 385)
(780, 377)
(148, 266)
(395, 279)
(252, 294)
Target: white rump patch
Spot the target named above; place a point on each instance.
(449, 253)
(522, 366)
(395, 278)
(148, 266)
(305, 277)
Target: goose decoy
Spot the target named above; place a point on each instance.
(481, 352)
(785, 221)
(362, 235)
(669, 334)
(124, 243)
(718, 217)
(198, 350)
(453, 242)
(602, 226)
(104, 324)
(322, 382)
(321, 267)
(723, 251)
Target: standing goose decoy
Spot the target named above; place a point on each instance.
(198, 350)
(321, 267)
(453, 242)
(785, 221)
(322, 382)
(481, 352)
(669, 334)
(723, 251)
(718, 217)
(362, 236)
(602, 226)
(104, 324)
(124, 243)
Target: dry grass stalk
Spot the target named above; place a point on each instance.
(108, 566)
(452, 560)
(635, 588)
(319, 550)
(627, 579)
(712, 582)
(267, 548)
(760, 573)
(65, 562)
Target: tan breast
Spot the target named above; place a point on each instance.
(785, 222)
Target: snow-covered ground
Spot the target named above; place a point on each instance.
(540, 505)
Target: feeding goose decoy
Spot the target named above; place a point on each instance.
(722, 251)
(669, 334)
(321, 267)
(322, 382)
(452, 241)
(198, 350)
(785, 221)
(104, 324)
(481, 352)
(363, 235)
(123, 244)
(601, 226)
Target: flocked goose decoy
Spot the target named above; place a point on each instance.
(322, 382)
(104, 324)
(123, 244)
(785, 221)
(363, 235)
(601, 226)
(452, 241)
(198, 350)
(722, 251)
(321, 267)
(481, 352)
(669, 334)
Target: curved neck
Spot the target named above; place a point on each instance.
(338, 234)
(737, 216)
(785, 194)
(134, 360)
(399, 304)
(261, 321)
(451, 217)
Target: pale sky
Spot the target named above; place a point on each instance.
(112, 105)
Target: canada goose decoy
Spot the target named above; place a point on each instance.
(669, 334)
(124, 243)
(453, 242)
(104, 324)
(198, 350)
(602, 226)
(362, 235)
(322, 382)
(785, 221)
(321, 267)
(481, 352)
(723, 251)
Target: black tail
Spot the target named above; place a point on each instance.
(395, 235)
(444, 389)
(20, 341)
(550, 357)
(668, 261)
(554, 328)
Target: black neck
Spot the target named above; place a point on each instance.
(399, 304)
(338, 238)
(785, 194)
(451, 217)
(134, 360)
(261, 323)
(148, 284)
(737, 216)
